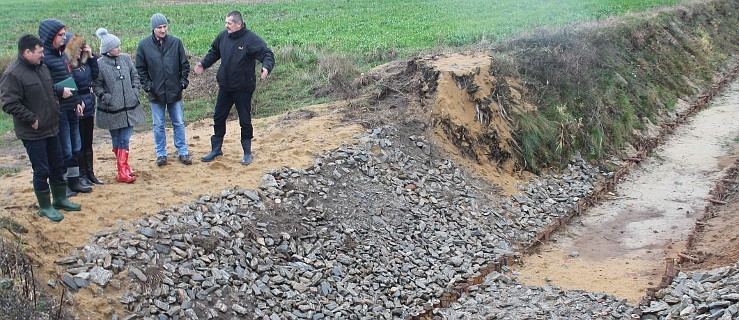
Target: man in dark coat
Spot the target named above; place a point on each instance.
(238, 48)
(28, 96)
(53, 33)
(163, 68)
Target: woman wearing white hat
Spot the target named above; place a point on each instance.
(117, 91)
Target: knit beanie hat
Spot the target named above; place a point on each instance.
(107, 41)
(157, 19)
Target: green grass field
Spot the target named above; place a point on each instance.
(352, 26)
(361, 33)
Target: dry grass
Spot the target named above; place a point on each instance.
(20, 295)
(339, 71)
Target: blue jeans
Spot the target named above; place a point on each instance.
(226, 100)
(178, 124)
(69, 137)
(121, 137)
(47, 162)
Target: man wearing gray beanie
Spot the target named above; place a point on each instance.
(162, 64)
(156, 20)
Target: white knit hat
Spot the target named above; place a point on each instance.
(107, 41)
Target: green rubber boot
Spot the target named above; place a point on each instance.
(59, 193)
(44, 202)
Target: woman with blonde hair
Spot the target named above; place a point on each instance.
(84, 67)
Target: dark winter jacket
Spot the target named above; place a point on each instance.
(117, 92)
(57, 62)
(84, 70)
(238, 52)
(163, 69)
(28, 95)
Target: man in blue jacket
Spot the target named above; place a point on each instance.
(161, 62)
(28, 96)
(53, 33)
(238, 48)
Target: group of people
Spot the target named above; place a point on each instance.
(58, 90)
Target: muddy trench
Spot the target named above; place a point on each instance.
(630, 236)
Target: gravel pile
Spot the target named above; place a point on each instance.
(711, 294)
(503, 297)
(376, 230)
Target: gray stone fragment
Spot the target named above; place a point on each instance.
(239, 309)
(100, 276)
(148, 232)
(161, 305)
(251, 194)
(162, 248)
(268, 181)
(136, 272)
(69, 282)
(66, 260)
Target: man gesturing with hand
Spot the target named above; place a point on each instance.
(238, 48)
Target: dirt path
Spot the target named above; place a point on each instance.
(619, 246)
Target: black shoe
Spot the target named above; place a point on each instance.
(85, 181)
(89, 168)
(74, 185)
(185, 159)
(95, 179)
(161, 160)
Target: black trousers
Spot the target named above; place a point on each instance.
(87, 126)
(226, 100)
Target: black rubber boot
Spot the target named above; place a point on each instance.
(84, 181)
(215, 149)
(246, 145)
(59, 194)
(73, 181)
(46, 210)
(89, 168)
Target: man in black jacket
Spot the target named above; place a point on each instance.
(238, 48)
(53, 33)
(161, 62)
(28, 96)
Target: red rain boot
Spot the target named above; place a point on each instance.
(124, 171)
(128, 169)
